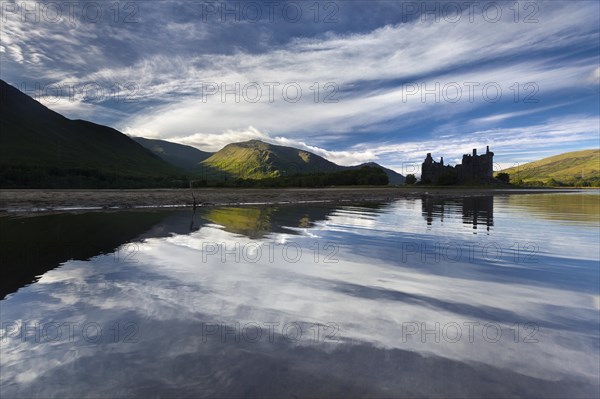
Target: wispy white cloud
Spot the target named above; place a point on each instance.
(391, 52)
(509, 115)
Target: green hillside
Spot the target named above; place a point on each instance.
(183, 156)
(41, 148)
(257, 160)
(577, 168)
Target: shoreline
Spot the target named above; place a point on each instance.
(15, 201)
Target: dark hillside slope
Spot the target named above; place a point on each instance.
(41, 148)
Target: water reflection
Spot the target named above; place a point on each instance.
(571, 208)
(476, 210)
(346, 302)
(258, 222)
(30, 246)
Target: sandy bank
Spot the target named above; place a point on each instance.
(49, 200)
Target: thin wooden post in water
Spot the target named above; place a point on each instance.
(193, 196)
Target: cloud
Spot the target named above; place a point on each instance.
(510, 115)
(595, 76)
(216, 141)
(346, 158)
(309, 121)
(173, 59)
(382, 56)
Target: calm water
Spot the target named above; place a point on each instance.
(463, 297)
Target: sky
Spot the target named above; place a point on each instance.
(353, 81)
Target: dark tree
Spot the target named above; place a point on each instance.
(410, 179)
(503, 177)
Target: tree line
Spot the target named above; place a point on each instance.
(17, 176)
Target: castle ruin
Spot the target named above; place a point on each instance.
(474, 169)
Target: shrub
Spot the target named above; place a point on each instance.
(503, 177)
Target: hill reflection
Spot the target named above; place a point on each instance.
(258, 222)
(33, 245)
(566, 208)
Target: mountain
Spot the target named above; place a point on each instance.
(255, 159)
(394, 177)
(41, 148)
(183, 156)
(570, 168)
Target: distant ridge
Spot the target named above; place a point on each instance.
(180, 155)
(394, 177)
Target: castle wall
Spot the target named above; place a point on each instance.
(474, 169)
